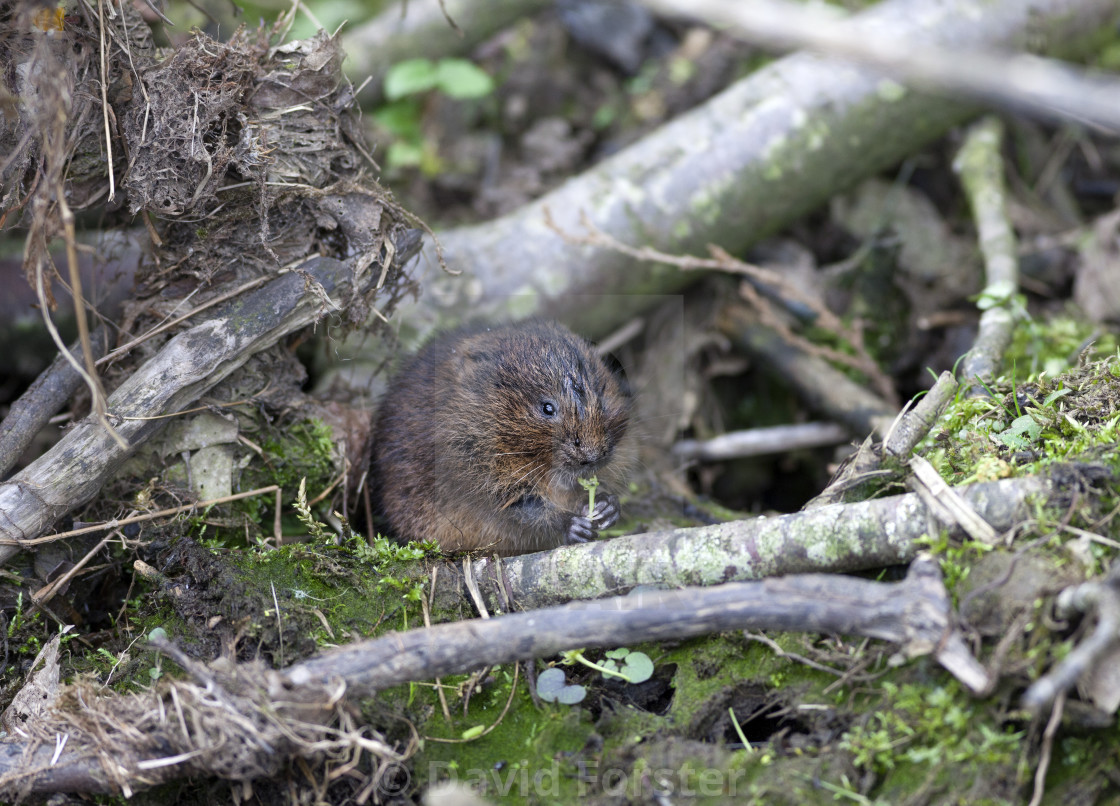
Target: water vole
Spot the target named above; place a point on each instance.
(483, 435)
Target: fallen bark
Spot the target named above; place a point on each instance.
(749, 161)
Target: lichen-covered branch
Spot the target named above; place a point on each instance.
(836, 538)
(980, 166)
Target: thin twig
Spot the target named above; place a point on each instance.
(762, 441)
(97, 395)
(428, 623)
(51, 589)
(781, 653)
(1047, 748)
(722, 261)
(498, 721)
(141, 518)
(105, 101)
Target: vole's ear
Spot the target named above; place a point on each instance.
(475, 365)
(619, 372)
(474, 352)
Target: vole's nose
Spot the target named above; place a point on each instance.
(588, 455)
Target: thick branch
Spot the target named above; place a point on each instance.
(914, 612)
(754, 158)
(835, 538)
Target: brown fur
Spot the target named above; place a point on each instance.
(465, 453)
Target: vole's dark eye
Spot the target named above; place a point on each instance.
(548, 408)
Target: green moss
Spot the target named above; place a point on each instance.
(930, 726)
(1028, 424)
(1055, 344)
(303, 450)
(357, 590)
(522, 757)
(299, 451)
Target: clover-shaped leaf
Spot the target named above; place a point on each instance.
(634, 667)
(552, 686)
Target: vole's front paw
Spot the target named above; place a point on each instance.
(580, 530)
(583, 527)
(607, 512)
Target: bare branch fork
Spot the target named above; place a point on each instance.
(188, 366)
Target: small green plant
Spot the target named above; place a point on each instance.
(928, 727)
(406, 86)
(303, 512)
(739, 730)
(553, 686)
(383, 553)
(590, 485)
(1002, 295)
(472, 732)
(955, 559)
(21, 622)
(1022, 432)
(156, 672)
(456, 78)
(633, 667)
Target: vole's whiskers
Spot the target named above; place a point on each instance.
(519, 467)
(527, 472)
